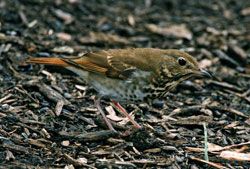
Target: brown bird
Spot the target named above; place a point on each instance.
(139, 74)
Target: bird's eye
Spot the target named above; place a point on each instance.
(182, 61)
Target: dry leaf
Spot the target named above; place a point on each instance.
(112, 114)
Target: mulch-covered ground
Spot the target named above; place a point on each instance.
(47, 115)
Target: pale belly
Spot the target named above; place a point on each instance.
(120, 90)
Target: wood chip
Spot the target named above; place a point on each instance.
(225, 85)
(153, 150)
(67, 17)
(245, 11)
(232, 155)
(77, 162)
(63, 49)
(5, 98)
(64, 36)
(9, 155)
(36, 143)
(215, 165)
(178, 31)
(131, 20)
(45, 133)
(95, 37)
(59, 106)
(91, 136)
(224, 57)
(193, 120)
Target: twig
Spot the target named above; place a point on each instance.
(243, 95)
(215, 165)
(76, 162)
(91, 136)
(5, 98)
(225, 85)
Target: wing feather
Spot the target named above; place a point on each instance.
(113, 63)
(86, 65)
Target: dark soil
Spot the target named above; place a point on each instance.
(47, 115)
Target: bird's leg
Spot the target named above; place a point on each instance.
(125, 113)
(98, 106)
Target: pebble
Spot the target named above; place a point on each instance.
(5, 107)
(43, 54)
(34, 135)
(158, 103)
(11, 33)
(24, 135)
(106, 27)
(67, 95)
(54, 145)
(179, 159)
(65, 143)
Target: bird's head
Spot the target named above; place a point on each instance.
(181, 66)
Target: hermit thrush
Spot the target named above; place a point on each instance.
(131, 74)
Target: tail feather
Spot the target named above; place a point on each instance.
(78, 63)
(47, 61)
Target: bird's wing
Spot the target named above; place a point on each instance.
(112, 63)
(85, 64)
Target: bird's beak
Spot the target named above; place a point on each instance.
(205, 73)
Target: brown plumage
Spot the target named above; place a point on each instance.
(131, 74)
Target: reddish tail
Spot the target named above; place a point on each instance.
(47, 61)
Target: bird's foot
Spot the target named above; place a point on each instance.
(120, 109)
(125, 113)
(98, 106)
